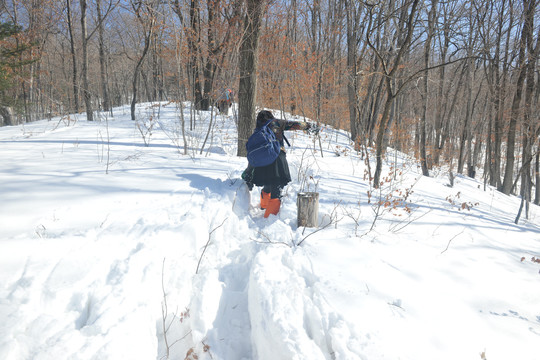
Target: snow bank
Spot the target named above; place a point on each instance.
(289, 317)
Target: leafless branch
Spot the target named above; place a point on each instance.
(449, 241)
(207, 243)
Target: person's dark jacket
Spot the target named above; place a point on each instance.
(277, 173)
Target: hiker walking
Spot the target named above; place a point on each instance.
(224, 102)
(274, 176)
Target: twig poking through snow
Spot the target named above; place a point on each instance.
(449, 241)
(333, 220)
(268, 241)
(207, 243)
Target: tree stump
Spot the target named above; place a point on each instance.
(308, 209)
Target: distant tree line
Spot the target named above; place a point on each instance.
(454, 82)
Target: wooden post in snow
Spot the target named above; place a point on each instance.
(308, 209)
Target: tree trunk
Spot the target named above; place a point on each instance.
(427, 47)
(500, 94)
(106, 102)
(466, 132)
(465, 151)
(84, 44)
(448, 113)
(390, 73)
(194, 52)
(247, 86)
(379, 143)
(209, 74)
(352, 81)
(134, 83)
(439, 113)
(516, 102)
(209, 70)
(528, 125)
(154, 90)
(537, 179)
(316, 52)
(73, 58)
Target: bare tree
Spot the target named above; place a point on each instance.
(85, 38)
(106, 102)
(537, 177)
(209, 34)
(248, 61)
(465, 138)
(495, 25)
(529, 134)
(432, 15)
(84, 44)
(73, 57)
(390, 69)
(352, 81)
(450, 78)
(526, 34)
(146, 16)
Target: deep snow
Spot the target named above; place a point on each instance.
(111, 249)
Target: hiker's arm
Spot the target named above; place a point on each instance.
(293, 125)
(308, 127)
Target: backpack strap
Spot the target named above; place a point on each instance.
(268, 122)
(287, 141)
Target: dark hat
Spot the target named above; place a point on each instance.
(263, 116)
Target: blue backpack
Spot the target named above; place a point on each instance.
(262, 146)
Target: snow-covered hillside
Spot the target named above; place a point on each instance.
(110, 249)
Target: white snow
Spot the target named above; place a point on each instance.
(110, 249)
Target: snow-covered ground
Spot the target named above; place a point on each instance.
(110, 249)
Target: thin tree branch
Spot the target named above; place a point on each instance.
(207, 243)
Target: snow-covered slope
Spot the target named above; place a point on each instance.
(110, 249)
